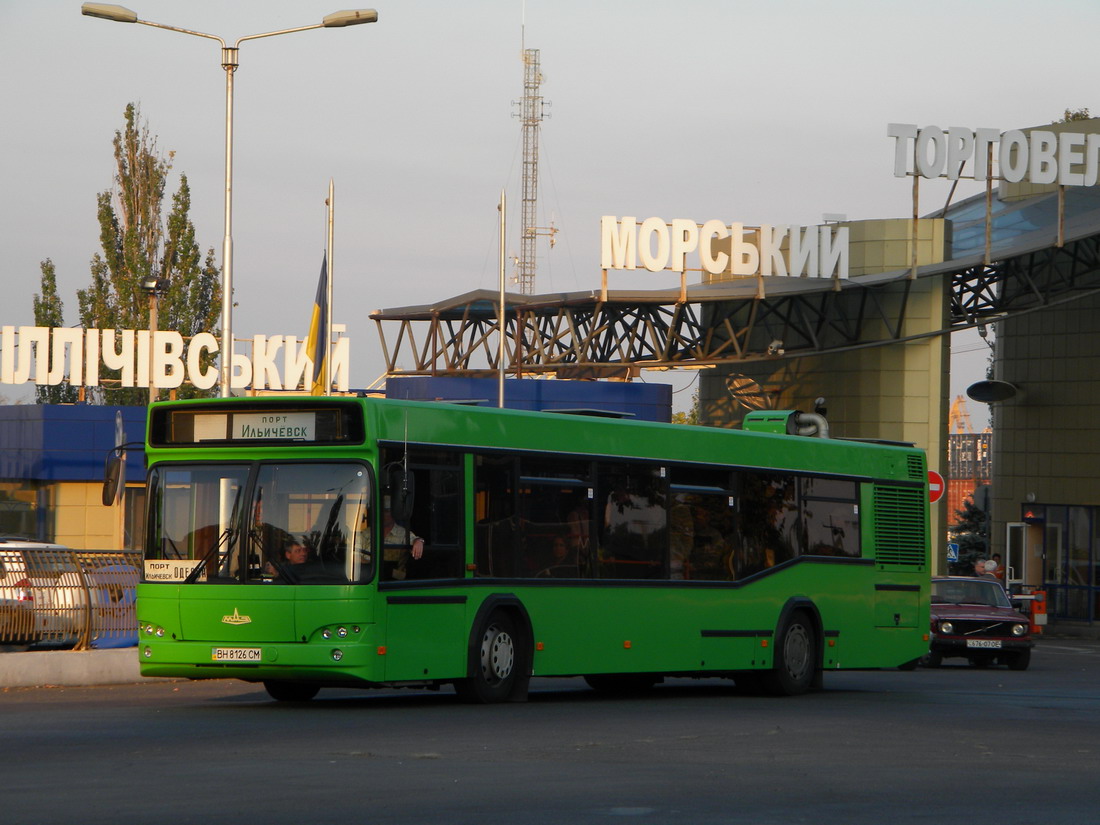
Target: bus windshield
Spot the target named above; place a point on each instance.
(269, 522)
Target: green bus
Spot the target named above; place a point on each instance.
(307, 542)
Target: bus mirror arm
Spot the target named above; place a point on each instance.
(402, 496)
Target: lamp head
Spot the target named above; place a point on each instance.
(106, 11)
(350, 17)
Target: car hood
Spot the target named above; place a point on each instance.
(977, 612)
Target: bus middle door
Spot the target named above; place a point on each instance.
(425, 636)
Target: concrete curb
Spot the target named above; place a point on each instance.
(69, 667)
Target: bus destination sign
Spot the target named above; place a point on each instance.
(281, 426)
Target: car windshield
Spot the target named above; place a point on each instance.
(273, 523)
(988, 593)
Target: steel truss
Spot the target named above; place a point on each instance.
(545, 335)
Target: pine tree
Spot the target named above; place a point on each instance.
(137, 244)
(971, 532)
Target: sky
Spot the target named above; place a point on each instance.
(766, 112)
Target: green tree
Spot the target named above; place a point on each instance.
(1074, 114)
(137, 244)
(971, 532)
(49, 311)
(692, 415)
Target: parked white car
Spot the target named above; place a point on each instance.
(43, 598)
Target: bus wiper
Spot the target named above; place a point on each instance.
(213, 551)
(226, 534)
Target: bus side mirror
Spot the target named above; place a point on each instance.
(112, 476)
(402, 495)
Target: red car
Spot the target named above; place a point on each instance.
(974, 619)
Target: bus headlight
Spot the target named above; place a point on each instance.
(342, 632)
(326, 634)
(947, 628)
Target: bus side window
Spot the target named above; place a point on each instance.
(768, 520)
(634, 522)
(831, 517)
(436, 515)
(495, 515)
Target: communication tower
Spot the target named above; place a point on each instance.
(532, 111)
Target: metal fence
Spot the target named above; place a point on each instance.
(80, 598)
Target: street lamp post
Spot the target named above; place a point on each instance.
(229, 62)
(153, 286)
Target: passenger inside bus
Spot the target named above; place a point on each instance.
(563, 561)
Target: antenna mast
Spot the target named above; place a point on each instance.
(532, 112)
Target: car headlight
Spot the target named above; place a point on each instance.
(947, 628)
(1019, 629)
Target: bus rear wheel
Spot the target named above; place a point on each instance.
(500, 657)
(793, 670)
(291, 691)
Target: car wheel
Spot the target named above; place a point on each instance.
(291, 691)
(1019, 660)
(501, 656)
(792, 672)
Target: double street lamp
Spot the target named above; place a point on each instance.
(229, 63)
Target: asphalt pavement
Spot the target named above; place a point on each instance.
(72, 668)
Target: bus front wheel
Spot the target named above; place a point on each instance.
(793, 670)
(500, 660)
(291, 691)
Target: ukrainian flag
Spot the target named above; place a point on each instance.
(317, 345)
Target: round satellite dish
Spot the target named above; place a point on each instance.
(989, 391)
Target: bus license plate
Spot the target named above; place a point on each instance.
(986, 643)
(236, 654)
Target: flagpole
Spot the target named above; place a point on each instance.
(500, 326)
(328, 297)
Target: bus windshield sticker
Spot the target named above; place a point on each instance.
(284, 426)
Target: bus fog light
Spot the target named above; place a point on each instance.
(337, 655)
(148, 653)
